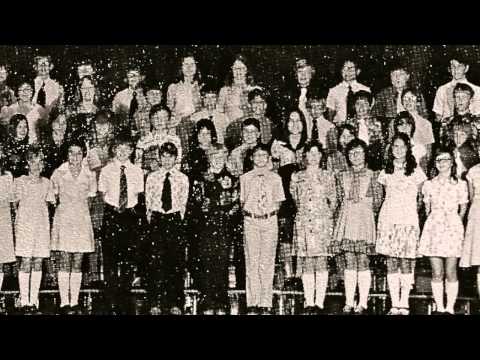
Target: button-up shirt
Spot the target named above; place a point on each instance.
(443, 104)
(109, 183)
(219, 120)
(53, 91)
(337, 99)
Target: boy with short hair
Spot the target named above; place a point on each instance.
(261, 193)
(121, 182)
(48, 93)
(318, 127)
(166, 195)
(239, 160)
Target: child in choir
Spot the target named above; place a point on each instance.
(17, 145)
(120, 183)
(261, 194)
(48, 93)
(166, 195)
(398, 230)
(240, 159)
(360, 197)
(337, 161)
(446, 199)
(32, 229)
(465, 152)
(74, 184)
(314, 193)
(319, 128)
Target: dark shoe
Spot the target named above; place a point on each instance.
(75, 310)
(64, 310)
(317, 310)
(34, 311)
(347, 310)
(308, 310)
(252, 310)
(360, 310)
(265, 311)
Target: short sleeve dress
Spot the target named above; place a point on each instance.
(471, 245)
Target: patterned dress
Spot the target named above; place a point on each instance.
(360, 196)
(398, 227)
(471, 245)
(316, 199)
(443, 232)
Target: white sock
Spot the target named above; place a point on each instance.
(406, 282)
(350, 287)
(308, 281)
(478, 283)
(437, 292)
(364, 282)
(24, 285)
(1, 279)
(321, 288)
(64, 287)
(75, 284)
(451, 289)
(393, 281)
(35, 287)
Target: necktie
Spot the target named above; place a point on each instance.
(167, 193)
(314, 136)
(350, 105)
(133, 109)
(262, 199)
(42, 96)
(123, 200)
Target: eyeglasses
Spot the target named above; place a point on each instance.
(438, 161)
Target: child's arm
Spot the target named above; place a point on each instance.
(463, 199)
(426, 197)
(184, 192)
(171, 92)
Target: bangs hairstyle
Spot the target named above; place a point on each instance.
(410, 161)
(14, 121)
(169, 149)
(197, 76)
(79, 143)
(21, 83)
(204, 124)
(402, 118)
(261, 147)
(304, 134)
(78, 92)
(354, 144)
(315, 144)
(362, 94)
(340, 130)
(444, 150)
(35, 152)
(244, 61)
(460, 87)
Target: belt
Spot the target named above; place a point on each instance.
(117, 209)
(255, 216)
(165, 214)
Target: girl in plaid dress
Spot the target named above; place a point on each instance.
(398, 223)
(360, 197)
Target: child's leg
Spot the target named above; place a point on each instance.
(110, 252)
(36, 278)
(65, 267)
(350, 278)
(1, 276)
(364, 279)
(393, 280)
(437, 282)
(478, 280)
(252, 261)
(24, 280)
(75, 278)
(266, 266)
(308, 280)
(321, 281)
(407, 267)
(451, 284)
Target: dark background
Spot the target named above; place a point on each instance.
(270, 65)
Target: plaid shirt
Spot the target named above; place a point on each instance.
(233, 137)
(184, 130)
(336, 162)
(386, 104)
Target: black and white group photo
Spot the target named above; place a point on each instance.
(240, 180)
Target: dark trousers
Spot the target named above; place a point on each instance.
(167, 261)
(120, 237)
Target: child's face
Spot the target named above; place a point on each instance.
(239, 70)
(218, 159)
(3, 74)
(168, 161)
(443, 162)
(88, 90)
(459, 137)
(260, 158)
(43, 66)
(210, 101)
(458, 70)
(362, 108)
(189, 67)
(154, 97)
(314, 156)
(399, 78)
(462, 100)
(133, 78)
(25, 92)
(160, 120)
(258, 106)
(295, 125)
(346, 137)
(123, 152)
(357, 157)
(304, 76)
(59, 126)
(102, 129)
(22, 129)
(84, 70)
(409, 102)
(35, 166)
(317, 108)
(250, 134)
(204, 138)
(399, 149)
(349, 71)
(75, 156)
(405, 128)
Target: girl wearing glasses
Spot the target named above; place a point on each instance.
(445, 198)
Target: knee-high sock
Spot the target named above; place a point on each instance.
(406, 282)
(24, 287)
(437, 292)
(364, 283)
(75, 284)
(36, 279)
(451, 289)
(321, 285)
(1, 280)
(64, 287)
(308, 281)
(478, 283)
(393, 281)
(350, 286)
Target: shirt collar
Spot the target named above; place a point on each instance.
(118, 163)
(353, 84)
